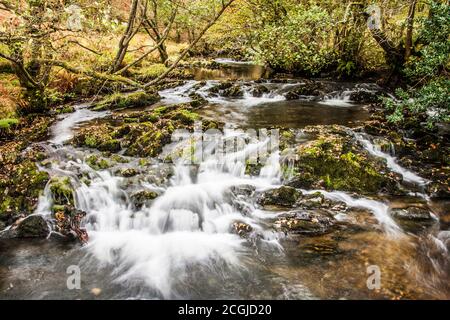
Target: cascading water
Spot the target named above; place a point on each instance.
(391, 162)
(379, 209)
(187, 233)
(338, 99)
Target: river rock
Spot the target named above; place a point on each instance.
(332, 160)
(312, 201)
(305, 222)
(260, 90)
(143, 197)
(33, 227)
(308, 89)
(128, 172)
(284, 196)
(242, 229)
(412, 213)
(234, 92)
(243, 190)
(365, 96)
(224, 85)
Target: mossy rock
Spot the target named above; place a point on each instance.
(128, 172)
(62, 191)
(333, 161)
(127, 100)
(234, 92)
(224, 85)
(284, 196)
(20, 188)
(260, 90)
(98, 137)
(97, 163)
(143, 197)
(65, 109)
(185, 116)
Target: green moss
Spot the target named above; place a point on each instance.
(119, 159)
(62, 191)
(329, 161)
(20, 190)
(121, 100)
(66, 109)
(7, 123)
(97, 163)
(185, 116)
(151, 72)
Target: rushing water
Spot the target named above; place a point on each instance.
(271, 108)
(183, 245)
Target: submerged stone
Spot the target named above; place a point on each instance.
(305, 222)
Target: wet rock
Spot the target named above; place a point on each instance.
(412, 213)
(284, 196)
(97, 163)
(243, 190)
(308, 89)
(234, 92)
(439, 190)
(33, 227)
(332, 160)
(128, 172)
(197, 100)
(98, 137)
(224, 85)
(312, 201)
(365, 96)
(144, 197)
(242, 229)
(260, 90)
(62, 191)
(305, 222)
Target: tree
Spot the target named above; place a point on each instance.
(27, 41)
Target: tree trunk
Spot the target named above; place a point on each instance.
(409, 29)
(126, 38)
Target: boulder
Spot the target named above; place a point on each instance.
(412, 213)
(143, 197)
(33, 227)
(284, 197)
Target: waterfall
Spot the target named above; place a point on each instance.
(379, 209)
(391, 161)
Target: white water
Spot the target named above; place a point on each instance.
(63, 129)
(181, 95)
(338, 99)
(379, 209)
(190, 224)
(391, 161)
(232, 61)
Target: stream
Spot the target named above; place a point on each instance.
(183, 246)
